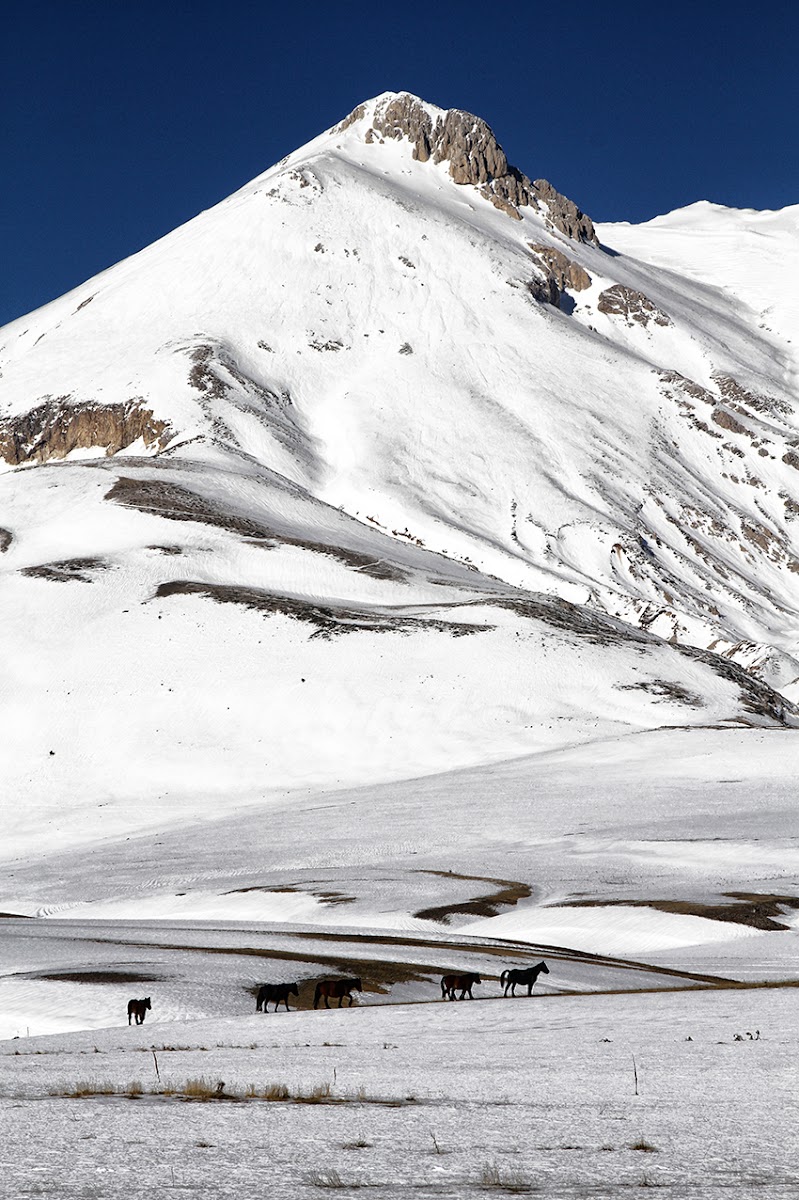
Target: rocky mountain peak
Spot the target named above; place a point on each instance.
(470, 147)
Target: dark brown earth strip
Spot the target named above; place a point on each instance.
(348, 965)
(177, 503)
(509, 892)
(329, 619)
(97, 977)
(753, 909)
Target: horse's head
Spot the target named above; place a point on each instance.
(146, 1002)
(356, 983)
(477, 979)
(544, 968)
(294, 989)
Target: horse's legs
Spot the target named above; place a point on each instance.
(326, 1003)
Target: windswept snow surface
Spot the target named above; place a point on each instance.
(564, 1096)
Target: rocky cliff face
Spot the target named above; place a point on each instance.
(475, 157)
(53, 429)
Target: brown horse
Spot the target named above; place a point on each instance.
(137, 1009)
(509, 979)
(451, 984)
(336, 987)
(279, 992)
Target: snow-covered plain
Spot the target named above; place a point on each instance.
(410, 624)
(563, 1096)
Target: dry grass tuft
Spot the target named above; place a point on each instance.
(497, 1180)
(644, 1145)
(329, 1178)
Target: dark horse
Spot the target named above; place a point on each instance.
(509, 979)
(451, 984)
(279, 992)
(336, 987)
(137, 1009)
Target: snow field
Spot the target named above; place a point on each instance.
(527, 1092)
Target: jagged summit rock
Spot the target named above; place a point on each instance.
(470, 147)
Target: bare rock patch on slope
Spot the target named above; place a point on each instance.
(328, 619)
(177, 503)
(632, 306)
(68, 570)
(55, 428)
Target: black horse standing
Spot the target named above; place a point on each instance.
(279, 992)
(527, 975)
(138, 1009)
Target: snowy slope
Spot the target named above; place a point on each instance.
(360, 323)
(382, 469)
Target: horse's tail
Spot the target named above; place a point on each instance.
(444, 988)
(317, 994)
(503, 978)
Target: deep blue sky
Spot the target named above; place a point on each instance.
(122, 120)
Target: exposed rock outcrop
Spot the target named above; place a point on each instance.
(563, 213)
(475, 157)
(55, 428)
(68, 570)
(6, 538)
(634, 307)
(560, 274)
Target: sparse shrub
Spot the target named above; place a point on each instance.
(644, 1145)
(360, 1144)
(504, 1181)
(328, 1178)
(202, 1088)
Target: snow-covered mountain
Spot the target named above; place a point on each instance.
(391, 463)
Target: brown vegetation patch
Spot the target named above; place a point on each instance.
(109, 976)
(326, 897)
(386, 972)
(507, 893)
(747, 908)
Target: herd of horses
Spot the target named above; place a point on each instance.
(453, 987)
